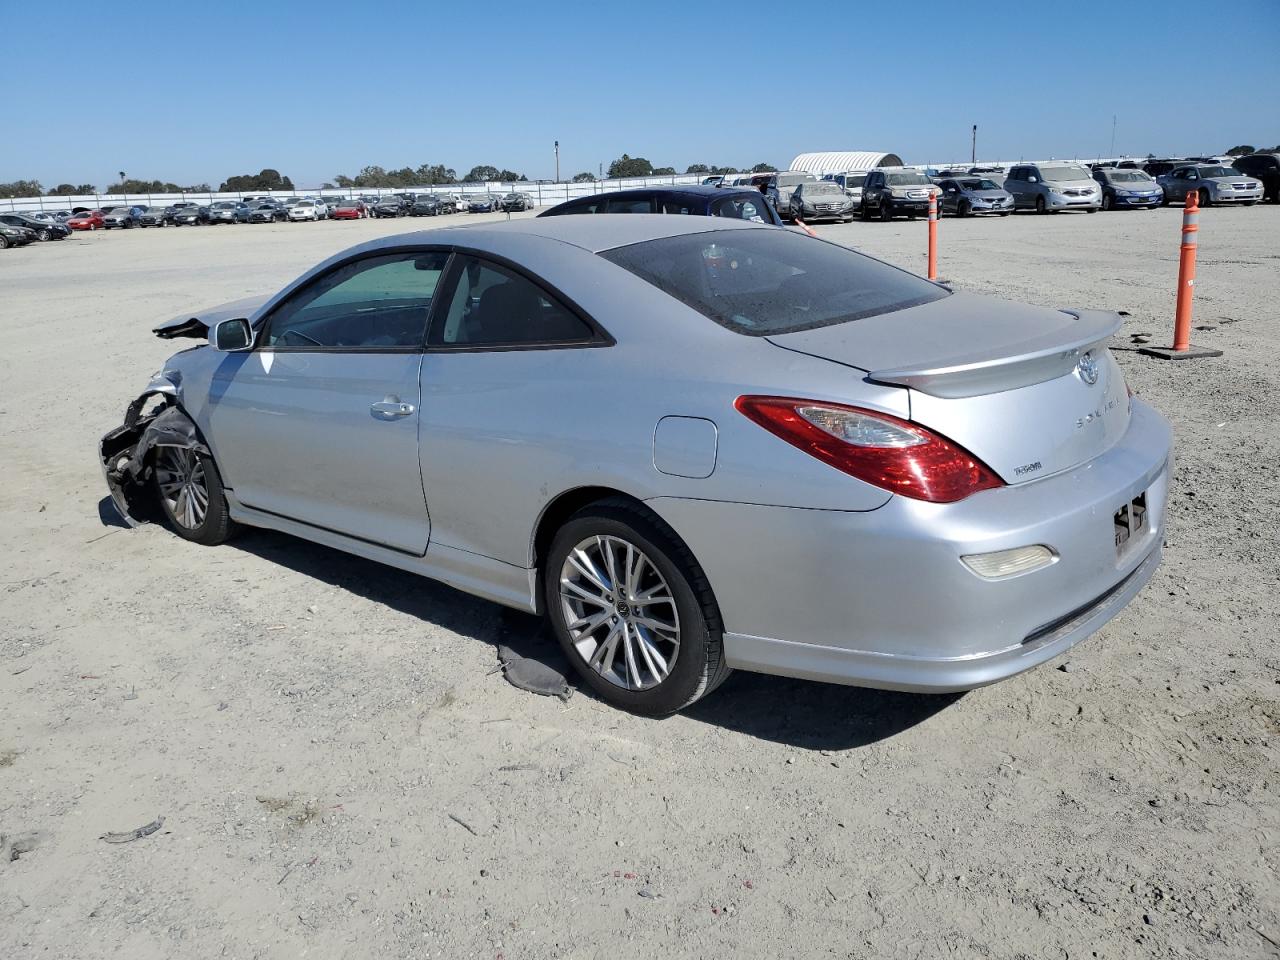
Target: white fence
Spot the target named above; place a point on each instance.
(543, 193)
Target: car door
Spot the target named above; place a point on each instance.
(319, 422)
(509, 374)
(1014, 183)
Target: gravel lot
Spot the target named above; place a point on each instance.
(341, 775)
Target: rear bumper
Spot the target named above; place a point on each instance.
(882, 598)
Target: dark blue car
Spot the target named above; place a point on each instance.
(698, 201)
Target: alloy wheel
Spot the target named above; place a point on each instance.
(184, 488)
(620, 612)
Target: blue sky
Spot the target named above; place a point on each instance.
(192, 92)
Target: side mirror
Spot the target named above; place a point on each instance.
(1033, 179)
(231, 336)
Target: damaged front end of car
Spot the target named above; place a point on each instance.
(154, 419)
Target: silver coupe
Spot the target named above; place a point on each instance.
(694, 444)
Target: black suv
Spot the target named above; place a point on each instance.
(700, 201)
(1264, 167)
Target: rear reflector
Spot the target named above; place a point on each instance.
(1009, 563)
(895, 455)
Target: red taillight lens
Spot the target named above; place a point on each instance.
(895, 455)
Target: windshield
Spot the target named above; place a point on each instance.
(982, 184)
(791, 179)
(763, 282)
(821, 189)
(155, 209)
(224, 205)
(1127, 176)
(908, 179)
(855, 180)
(1210, 172)
(1059, 174)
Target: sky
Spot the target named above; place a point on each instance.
(198, 92)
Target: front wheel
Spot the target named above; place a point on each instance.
(43, 235)
(963, 208)
(886, 209)
(1040, 205)
(1205, 199)
(632, 609)
(189, 488)
(4, 242)
(1107, 202)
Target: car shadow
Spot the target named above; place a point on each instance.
(798, 713)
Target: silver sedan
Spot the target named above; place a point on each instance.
(694, 444)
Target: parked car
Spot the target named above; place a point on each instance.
(1214, 183)
(484, 203)
(894, 193)
(1126, 188)
(714, 180)
(965, 196)
(153, 217)
(306, 209)
(390, 206)
(514, 202)
(192, 215)
(43, 229)
(815, 200)
(851, 183)
(922, 528)
(1157, 168)
(228, 211)
(89, 220)
(122, 218)
(733, 203)
(1264, 167)
(266, 211)
(348, 210)
(1052, 187)
(15, 236)
(778, 186)
(447, 202)
(426, 205)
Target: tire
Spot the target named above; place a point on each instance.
(43, 235)
(194, 471)
(1205, 199)
(864, 212)
(1250, 203)
(1092, 210)
(886, 209)
(667, 567)
(1040, 208)
(1107, 202)
(4, 242)
(963, 209)
(1005, 213)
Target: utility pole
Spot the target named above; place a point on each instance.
(1113, 137)
(557, 161)
(973, 148)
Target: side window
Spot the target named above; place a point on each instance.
(630, 205)
(742, 208)
(378, 302)
(672, 205)
(492, 306)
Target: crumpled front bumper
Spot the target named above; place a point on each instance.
(124, 453)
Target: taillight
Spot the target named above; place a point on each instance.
(893, 454)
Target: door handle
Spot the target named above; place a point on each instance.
(390, 408)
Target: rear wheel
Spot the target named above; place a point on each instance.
(189, 488)
(43, 235)
(633, 610)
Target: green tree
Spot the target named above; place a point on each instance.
(626, 166)
(132, 185)
(764, 168)
(71, 190)
(586, 176)
(697, 168)
(480, 174)
(435, 173)
(1241, 151)
(268, 179)
(664, 171)
(21, 188)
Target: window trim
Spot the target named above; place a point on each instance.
(600, 337)
(264, 328)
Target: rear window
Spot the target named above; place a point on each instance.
(764, 282)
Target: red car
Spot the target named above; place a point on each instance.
(349, 210)
(88, 220)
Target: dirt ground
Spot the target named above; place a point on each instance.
(341, 774)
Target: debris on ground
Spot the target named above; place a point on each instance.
(130, 835)
(532, 675)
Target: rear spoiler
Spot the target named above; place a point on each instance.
(970, 377)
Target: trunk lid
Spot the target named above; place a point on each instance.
(1009, 382)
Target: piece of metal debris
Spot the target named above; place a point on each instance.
(130, 835)
(532, 675)
(462, 823)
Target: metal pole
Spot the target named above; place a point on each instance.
(557, 161)
(933, 236)
(1113, 137)
(973, 149)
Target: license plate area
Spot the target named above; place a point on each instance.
(1130, 520)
